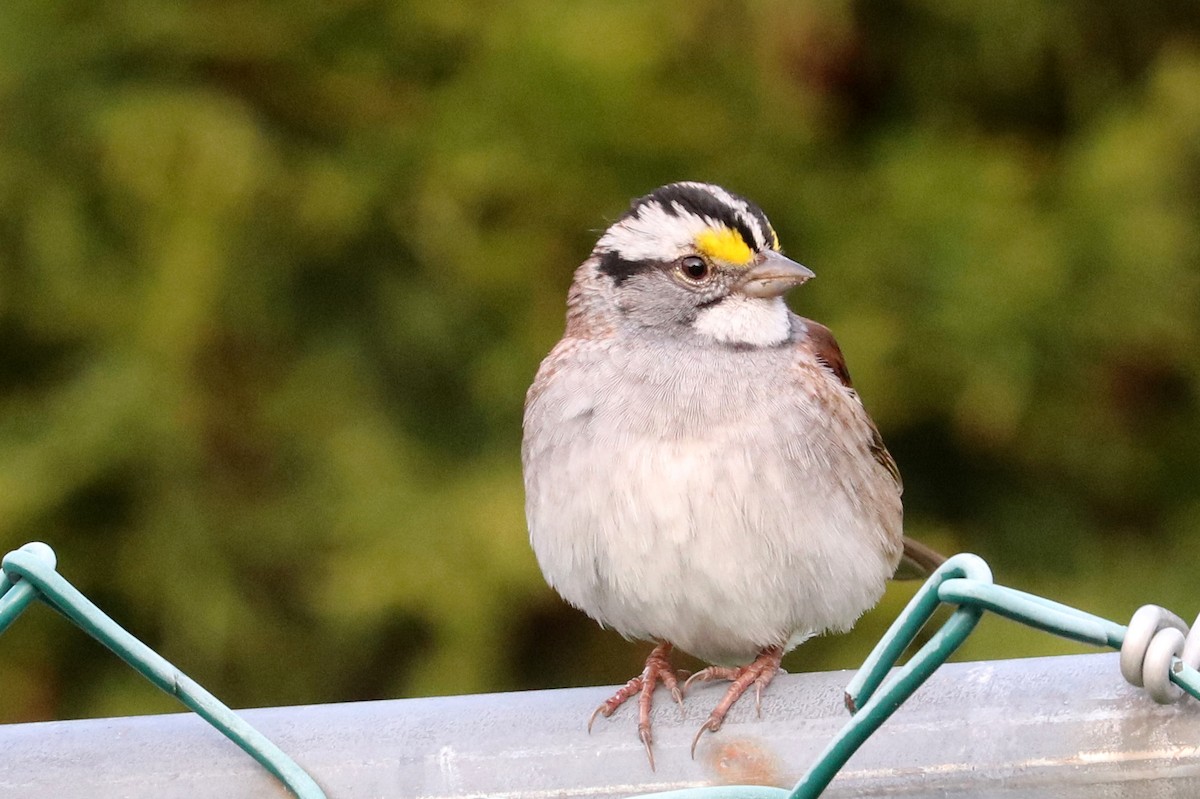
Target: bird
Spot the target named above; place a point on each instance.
(699, 471)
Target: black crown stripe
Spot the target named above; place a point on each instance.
(700, 202)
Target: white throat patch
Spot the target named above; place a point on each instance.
(746, 320)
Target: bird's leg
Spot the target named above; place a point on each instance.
(658, 669)
(758, 673)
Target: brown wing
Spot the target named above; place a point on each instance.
(829, 354)
(917, 561)
(826, 348)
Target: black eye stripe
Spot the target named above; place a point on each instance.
(612, 264)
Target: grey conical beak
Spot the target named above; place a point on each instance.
(773, 275)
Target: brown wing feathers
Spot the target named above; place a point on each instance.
(829, 354)
(918, 560)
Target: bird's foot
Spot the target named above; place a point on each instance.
(658, 670)
(758, 673)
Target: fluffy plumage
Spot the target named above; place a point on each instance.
(698, 469)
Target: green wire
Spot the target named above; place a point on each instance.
(33, 565)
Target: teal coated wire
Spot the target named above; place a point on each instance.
(1035, 611)
(908, 624)
(16, 596)
(34, 564)
(13, 601)
(870, 697)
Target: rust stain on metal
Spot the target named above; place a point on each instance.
(743, 761)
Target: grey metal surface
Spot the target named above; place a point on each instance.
(1047, 727)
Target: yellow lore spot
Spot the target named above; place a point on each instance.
(723, 244)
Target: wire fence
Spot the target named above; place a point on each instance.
(532, 744)
(29, 573)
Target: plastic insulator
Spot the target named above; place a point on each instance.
(1155, 638)
(1165, 646)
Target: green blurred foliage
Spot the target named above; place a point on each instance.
(274, 278)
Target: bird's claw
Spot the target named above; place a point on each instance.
(671, 680)
(712, 725)
(658, 670)
(602, 710)
(647, 741)
(709, 674)
(759, 674)
(610, 705)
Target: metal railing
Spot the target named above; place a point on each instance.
(1054, 726)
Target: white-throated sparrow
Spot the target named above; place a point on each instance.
(699, 471)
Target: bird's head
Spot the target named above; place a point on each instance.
(695, 259)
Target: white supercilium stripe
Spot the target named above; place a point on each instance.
(654, 234)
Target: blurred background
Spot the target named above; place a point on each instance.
(274, 278)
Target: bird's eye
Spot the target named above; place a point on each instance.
(693, 267)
